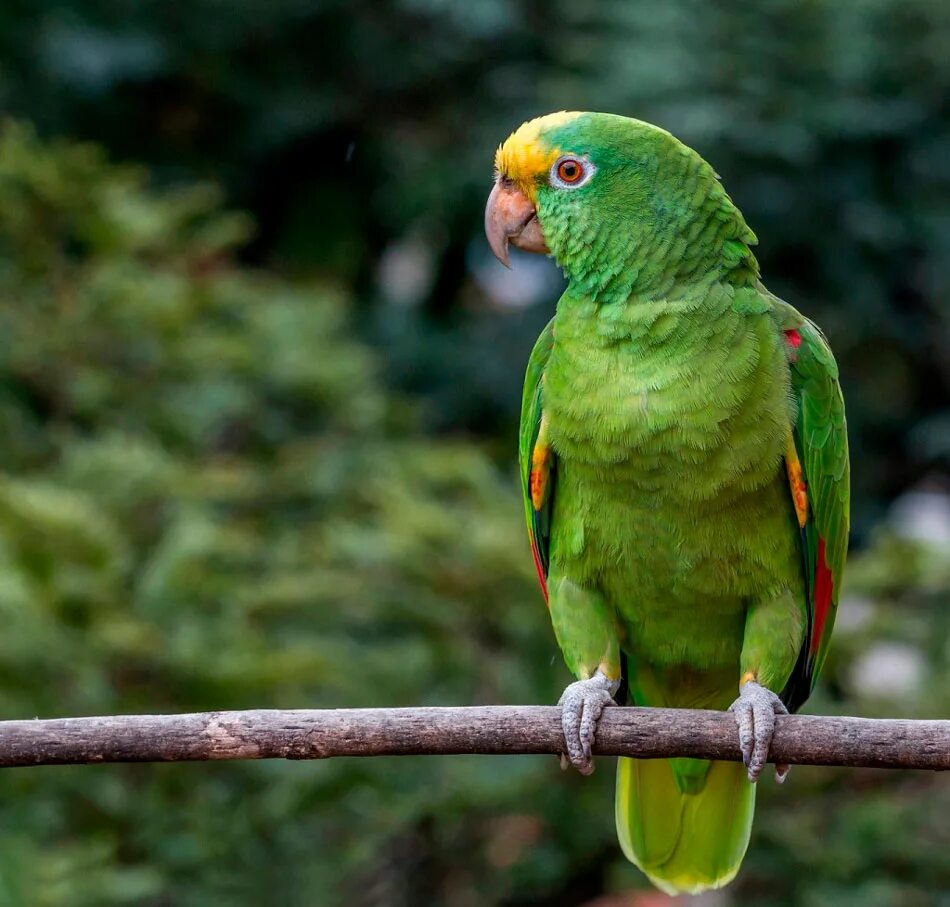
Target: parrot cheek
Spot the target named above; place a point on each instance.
(510, 216)
(531, 238)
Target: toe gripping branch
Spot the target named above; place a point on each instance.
(581, 706)
(755, 712)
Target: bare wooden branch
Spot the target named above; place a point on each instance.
(489, 730)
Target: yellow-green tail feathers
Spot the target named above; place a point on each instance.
(684, 842)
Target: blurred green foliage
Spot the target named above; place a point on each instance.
(350, 127)
(241, 468)
(211, 501)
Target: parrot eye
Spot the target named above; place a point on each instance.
(571, 172)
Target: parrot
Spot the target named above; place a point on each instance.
(684, 467)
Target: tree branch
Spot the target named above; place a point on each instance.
(491, 730)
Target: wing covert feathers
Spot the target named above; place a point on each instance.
(819, 484)
(537, 462)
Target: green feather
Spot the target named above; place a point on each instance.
(684, 842)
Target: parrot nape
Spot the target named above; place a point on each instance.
(684, 464)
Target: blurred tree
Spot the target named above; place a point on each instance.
(210, 502)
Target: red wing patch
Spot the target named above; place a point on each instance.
(794, 341)
(823, 588)
(540, 569)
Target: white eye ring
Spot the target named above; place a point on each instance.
(586, 167)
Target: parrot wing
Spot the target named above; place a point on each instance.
(536, 458)
(819, 479)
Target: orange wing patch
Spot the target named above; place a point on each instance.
(539, 489)
(796, 481)
(540, 466)
(538, 481)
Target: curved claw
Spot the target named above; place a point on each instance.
(581, 706)
(755, 711)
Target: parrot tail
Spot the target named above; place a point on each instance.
(684, 822)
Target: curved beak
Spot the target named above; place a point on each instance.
(511, 218)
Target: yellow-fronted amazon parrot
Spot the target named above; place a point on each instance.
(684, 461)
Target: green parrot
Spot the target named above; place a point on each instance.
(684, 462)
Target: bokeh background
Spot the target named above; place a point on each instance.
(259, 381)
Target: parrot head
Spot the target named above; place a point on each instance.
(620, 204)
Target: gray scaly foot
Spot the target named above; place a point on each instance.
(755, 711)
(581, 706)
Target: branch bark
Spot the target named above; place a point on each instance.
(489, 730)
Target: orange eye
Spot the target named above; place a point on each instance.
(569, 170)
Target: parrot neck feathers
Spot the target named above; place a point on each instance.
(651, 258)
(654, 216)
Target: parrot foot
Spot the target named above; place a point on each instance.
(755, 711)
(581, 706)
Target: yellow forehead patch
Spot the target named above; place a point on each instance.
(523, 156)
